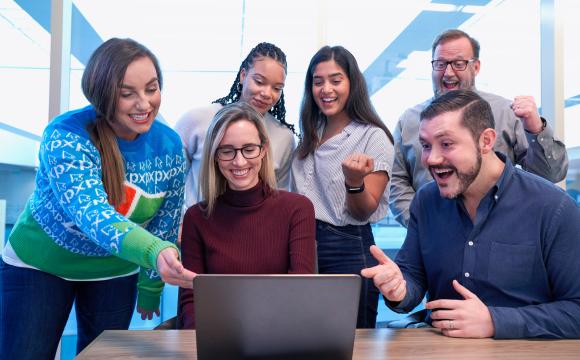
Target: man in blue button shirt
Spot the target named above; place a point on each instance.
(496, 248)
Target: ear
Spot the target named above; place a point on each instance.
(476, 66)
(487, 140)
(242, 75)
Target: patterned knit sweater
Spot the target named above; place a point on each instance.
(69, 229)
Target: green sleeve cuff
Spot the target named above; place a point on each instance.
(140, 246)
(149, 292)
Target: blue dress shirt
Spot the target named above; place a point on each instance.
(521, 256)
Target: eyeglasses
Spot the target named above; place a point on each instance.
(229, 153)
(458, 65)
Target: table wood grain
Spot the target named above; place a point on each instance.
(369, 344)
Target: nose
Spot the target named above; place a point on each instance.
(266, 92)
(142, 103)
(432, 157)
(239, 159)
(449, 70)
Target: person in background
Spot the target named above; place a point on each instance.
(522, 135)
(259, 82)
(343, 164)
(107, 203)
(494, 247)
(243, 225)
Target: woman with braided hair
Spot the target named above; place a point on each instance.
(260, 83)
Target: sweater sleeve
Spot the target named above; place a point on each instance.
(164, 225)
(193, 257)
(75, 179)
(302, 238)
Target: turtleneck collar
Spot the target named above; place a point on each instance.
(246, 198)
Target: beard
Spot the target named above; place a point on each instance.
(465, 179)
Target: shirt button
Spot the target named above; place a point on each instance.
(466, 275)
(470, 243)
(496, 197)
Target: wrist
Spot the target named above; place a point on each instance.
(540, 128)
(354, 189)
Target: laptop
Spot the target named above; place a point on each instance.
(276, 316)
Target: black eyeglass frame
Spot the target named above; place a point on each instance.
(454, 64)
(241, 150)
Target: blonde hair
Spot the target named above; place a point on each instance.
(212, 183)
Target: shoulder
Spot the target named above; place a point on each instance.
(495, 101)
(161, 132)
(292, 200)
(276, 129)
(538, 189)
(199, 117)
(74, 121)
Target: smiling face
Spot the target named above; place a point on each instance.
(330, 89)
(450, 153)
(450, 79)
(262, 83)
(241, 173)
(139, 100)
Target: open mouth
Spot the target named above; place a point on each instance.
(140, 118)
(450, 84)
(442, 174)
(240, 172)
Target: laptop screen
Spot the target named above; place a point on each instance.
(276, 316)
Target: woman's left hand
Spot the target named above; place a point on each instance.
(355, 167)
(172, 271)
(147, 314)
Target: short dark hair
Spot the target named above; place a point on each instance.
(263, 49)
(454, 34)
(358, 105)
(476, 112)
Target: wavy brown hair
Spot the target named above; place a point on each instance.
(101, 84)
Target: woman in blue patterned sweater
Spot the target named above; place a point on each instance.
(104, 216)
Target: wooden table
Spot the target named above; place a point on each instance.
(369, 344)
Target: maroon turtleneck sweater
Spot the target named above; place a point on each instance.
(256, 231)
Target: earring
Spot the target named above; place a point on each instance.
(239, 87)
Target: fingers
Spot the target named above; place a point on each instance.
(356, 166)
(443, 304)
(463, 291)
(378, 254)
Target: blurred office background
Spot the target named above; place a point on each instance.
(528, 47)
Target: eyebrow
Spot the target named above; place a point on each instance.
(330, 76)
(125, 86)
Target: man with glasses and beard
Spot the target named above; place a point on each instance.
(494, 247)
(522, 135)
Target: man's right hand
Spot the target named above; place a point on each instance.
(387, 276)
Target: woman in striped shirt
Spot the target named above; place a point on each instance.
(343, 165)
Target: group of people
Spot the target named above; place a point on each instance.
(493, 246)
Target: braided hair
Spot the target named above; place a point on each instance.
(263, 49)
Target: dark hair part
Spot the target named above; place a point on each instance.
(476, 112)
(358, 105)
(454, 34)
(101, 84)
(263, 49)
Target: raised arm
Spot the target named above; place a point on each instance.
(545, 156)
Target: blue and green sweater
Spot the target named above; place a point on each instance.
(69, 229)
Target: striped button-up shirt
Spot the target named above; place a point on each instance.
(319, 176)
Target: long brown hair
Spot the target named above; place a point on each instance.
(101, 84)
(358, 106)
